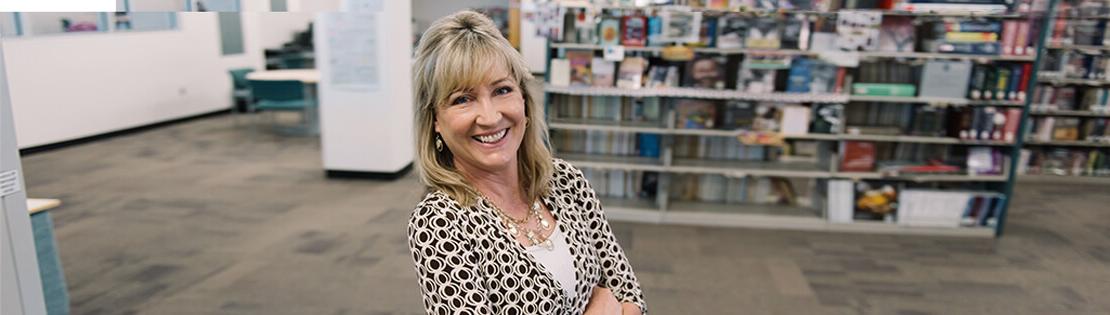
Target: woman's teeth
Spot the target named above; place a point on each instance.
(492, 138)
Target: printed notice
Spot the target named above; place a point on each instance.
(352, 59)
(9, 183)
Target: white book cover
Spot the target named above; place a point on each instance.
(616, 183)
(560, 72)
(795, 120)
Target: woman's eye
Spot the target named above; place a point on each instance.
(460, 100)
(503, 90)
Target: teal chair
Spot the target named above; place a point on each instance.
(240, 91)
(283, 95)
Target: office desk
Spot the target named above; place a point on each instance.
(50, 266)
(307, 76)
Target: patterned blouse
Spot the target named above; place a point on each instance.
(467, 263)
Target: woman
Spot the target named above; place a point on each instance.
(505, 228)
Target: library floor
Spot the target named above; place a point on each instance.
(207, 217)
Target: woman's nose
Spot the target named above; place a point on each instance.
(488, 114)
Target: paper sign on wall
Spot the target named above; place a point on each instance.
(352, 40)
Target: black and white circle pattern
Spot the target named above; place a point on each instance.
(467, 263)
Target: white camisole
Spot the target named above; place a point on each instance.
(557, 261)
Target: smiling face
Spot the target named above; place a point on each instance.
(484, 125)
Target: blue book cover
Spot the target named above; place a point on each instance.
(649, 144)
(800, 76)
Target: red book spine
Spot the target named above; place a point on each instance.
(839, 85)
(1013, 118)
(1023, 85)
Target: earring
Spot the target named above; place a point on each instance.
(439, 143)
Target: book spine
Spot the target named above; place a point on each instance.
(978, 76)
(1009, 28)
(1002, 82)
(1021, 39)
(1023, 86)
(970, 48)
(971, 37)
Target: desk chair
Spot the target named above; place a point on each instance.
(240, 91)
(284, 95)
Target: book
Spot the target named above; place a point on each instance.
(655, 31)
(560, 72)
(858, 30)
(604, 72)
(732, 30)
(634, 30)
(883, 89)
(812, 76)
(707, 33)
(706, 72)
(764, 33)
(580, 61)
(695, 114)
(945, 78)
(756, 80)
(795, 32)
(897, 34)
(858, 156)
(795, 120)
(630, 75)
(680, 26)
(738, 114)
(610, 31)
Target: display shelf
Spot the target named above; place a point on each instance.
(920, 177)
(1068, 143)
(1082, 48)
(919, 139)
(679, 206)
(1071, 113)
(738, 132)
(747, 168)
(796, 52)
(613, 162)
(1071, 179)
(933, 100)
(607, 125)
(659, 49)
(889, 228)
(1057, 80)
(774, 217)
(931, 55)
(697, 93)
(654, 128)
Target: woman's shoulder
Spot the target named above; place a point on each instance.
(564, 169)
(435, 205)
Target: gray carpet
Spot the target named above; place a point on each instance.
(208, 217)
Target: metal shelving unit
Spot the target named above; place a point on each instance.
(810, 215)
(1043, 110)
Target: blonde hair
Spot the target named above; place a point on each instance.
(453, 55)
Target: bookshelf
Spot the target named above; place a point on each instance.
(1068, 136)
(687, 132)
